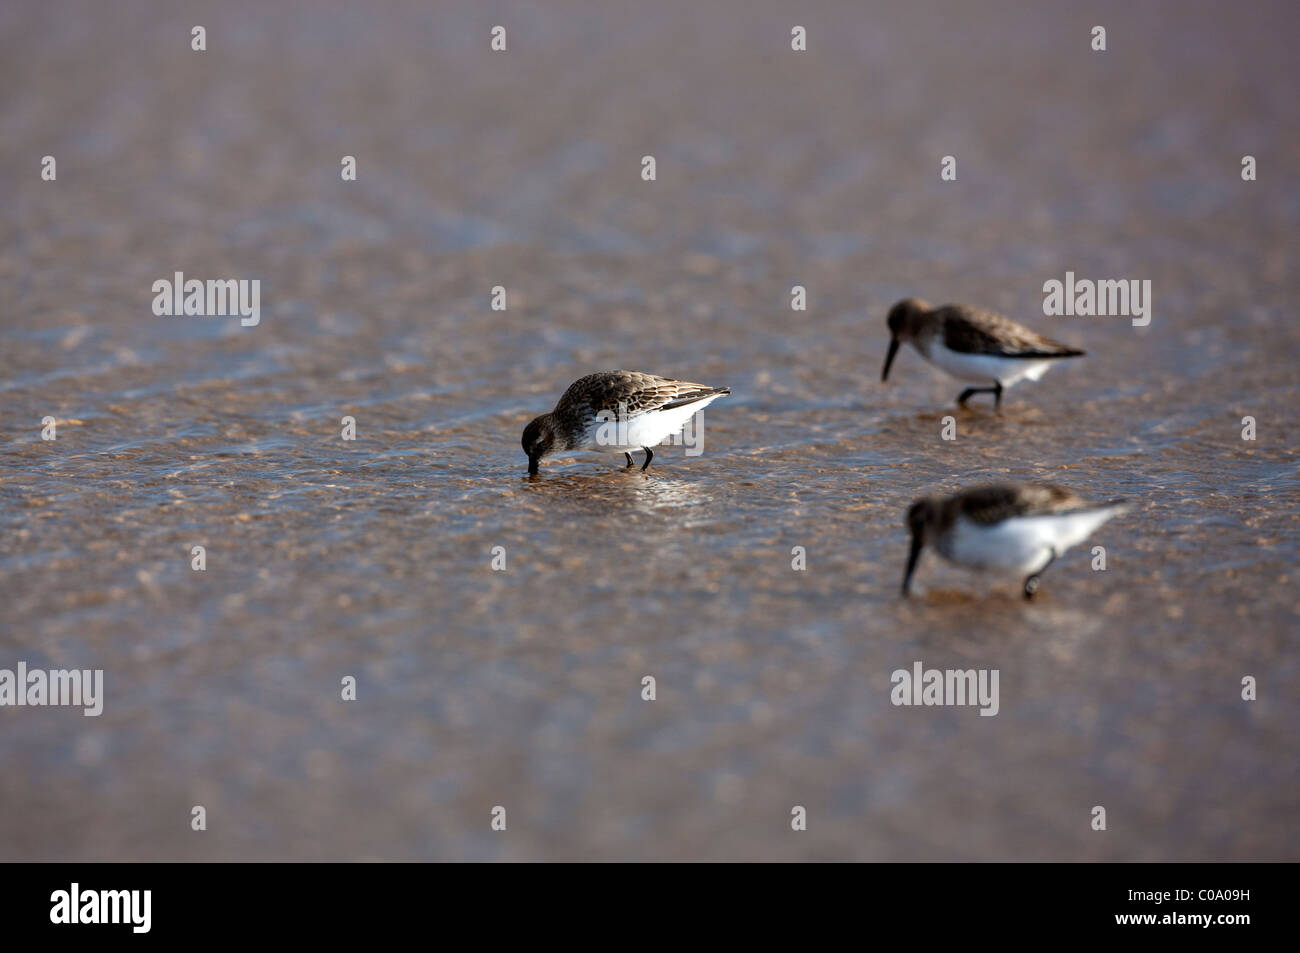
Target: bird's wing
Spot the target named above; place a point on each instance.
(976, 331)
(993, 504)
(633, 393)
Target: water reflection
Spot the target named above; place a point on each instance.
(644, 491)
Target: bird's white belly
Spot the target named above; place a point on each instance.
(1020, 544)
(987, 367)
(643, 430)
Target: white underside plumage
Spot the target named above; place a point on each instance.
(1022, 544)
(643, 430)
(987, 367)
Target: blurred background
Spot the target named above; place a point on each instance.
(522, 688)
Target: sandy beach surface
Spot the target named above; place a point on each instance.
(522, 688)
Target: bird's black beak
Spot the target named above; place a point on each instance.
(889, 358)
(532, 466)
(912, 557)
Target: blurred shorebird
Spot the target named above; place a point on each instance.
(1008, 527)
(616, 412)
(972, 345)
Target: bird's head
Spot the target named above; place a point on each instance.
(922, 522)
(904, 320)
(538, 441)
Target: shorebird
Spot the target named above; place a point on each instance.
(972, 344)
(616, 412)
(1020, 528)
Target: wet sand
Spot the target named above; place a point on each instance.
(522, 688)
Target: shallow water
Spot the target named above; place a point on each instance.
(522, 688)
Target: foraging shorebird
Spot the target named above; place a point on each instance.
(1020, 528)
(972, 344)
(616, 412)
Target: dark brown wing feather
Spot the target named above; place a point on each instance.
(993, 504)
(631, 390)
(976, 331)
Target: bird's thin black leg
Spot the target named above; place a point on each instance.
(649, 455)
(997, 396)
(629, 459)
(970, 392)
(1032, 583)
